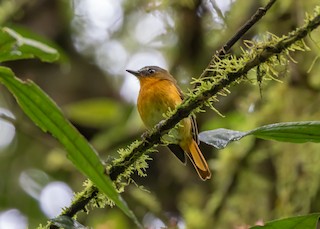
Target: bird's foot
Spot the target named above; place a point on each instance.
(159, 124)
(145, 135)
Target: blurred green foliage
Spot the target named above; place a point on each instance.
(252, 179)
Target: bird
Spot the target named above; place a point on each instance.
(159, 93)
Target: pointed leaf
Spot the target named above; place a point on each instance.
(298, 222)
(296, 132)
(13, 46)
(67, 223)
(220, 138)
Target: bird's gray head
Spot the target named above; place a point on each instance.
(147, 71)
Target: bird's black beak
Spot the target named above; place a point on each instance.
(135, 73)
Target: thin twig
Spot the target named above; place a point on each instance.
(242, 31)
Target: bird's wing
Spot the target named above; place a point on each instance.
(194, 129)
(193, 119)
(178, 152)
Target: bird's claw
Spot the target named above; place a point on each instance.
(159, 124)
(145, 135)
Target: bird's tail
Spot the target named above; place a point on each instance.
(198, 161)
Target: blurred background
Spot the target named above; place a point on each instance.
(253, 180)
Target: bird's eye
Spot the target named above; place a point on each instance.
(151, 71)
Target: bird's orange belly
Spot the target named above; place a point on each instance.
(154, 101)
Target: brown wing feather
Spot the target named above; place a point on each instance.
(178, 152)
(193, 118)
(194, 129)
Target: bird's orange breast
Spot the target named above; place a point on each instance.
(155, 98)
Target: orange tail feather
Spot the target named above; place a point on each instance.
(198, 161)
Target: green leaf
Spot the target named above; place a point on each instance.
(298, 222)
(46, 114)
(296, 132)
(220, 138)
(67, 223)
(97, 112)
(13, 46)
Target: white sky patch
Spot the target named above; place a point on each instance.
(224, 5)
(13, 219)
(104, 14)
(94, 20)
(32, 182)
(150, 221)
(113, 53)
(148, 28)
(55, 196)
(7, 129)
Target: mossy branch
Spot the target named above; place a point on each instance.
(255, 57)
(194, 102)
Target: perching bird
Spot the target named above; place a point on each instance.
(158, 93)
